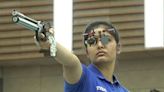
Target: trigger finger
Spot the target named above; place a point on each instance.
(51, 30)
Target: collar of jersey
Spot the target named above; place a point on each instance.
(94, 69)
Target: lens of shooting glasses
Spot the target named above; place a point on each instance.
(105, 39)
(91, 41)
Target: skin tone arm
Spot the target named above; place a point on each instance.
(72, 69)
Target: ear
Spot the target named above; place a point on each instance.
(118, 49)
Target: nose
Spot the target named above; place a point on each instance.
(99, 44)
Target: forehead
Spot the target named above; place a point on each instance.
(101, 30)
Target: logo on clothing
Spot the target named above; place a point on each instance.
(101, 89)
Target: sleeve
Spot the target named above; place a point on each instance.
(79, 85)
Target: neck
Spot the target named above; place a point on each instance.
(107, 70)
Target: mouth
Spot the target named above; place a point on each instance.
(100, 53)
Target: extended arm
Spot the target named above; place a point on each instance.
(72, 69)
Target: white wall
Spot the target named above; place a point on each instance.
(154, 23)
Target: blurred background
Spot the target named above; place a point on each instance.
(24, 69)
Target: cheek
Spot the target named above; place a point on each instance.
(112, 49)
(90, 52)
(90, 49)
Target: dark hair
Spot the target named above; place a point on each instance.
(95, 24)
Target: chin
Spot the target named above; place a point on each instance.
(102, 60)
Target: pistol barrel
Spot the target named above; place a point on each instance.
(27, 22)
